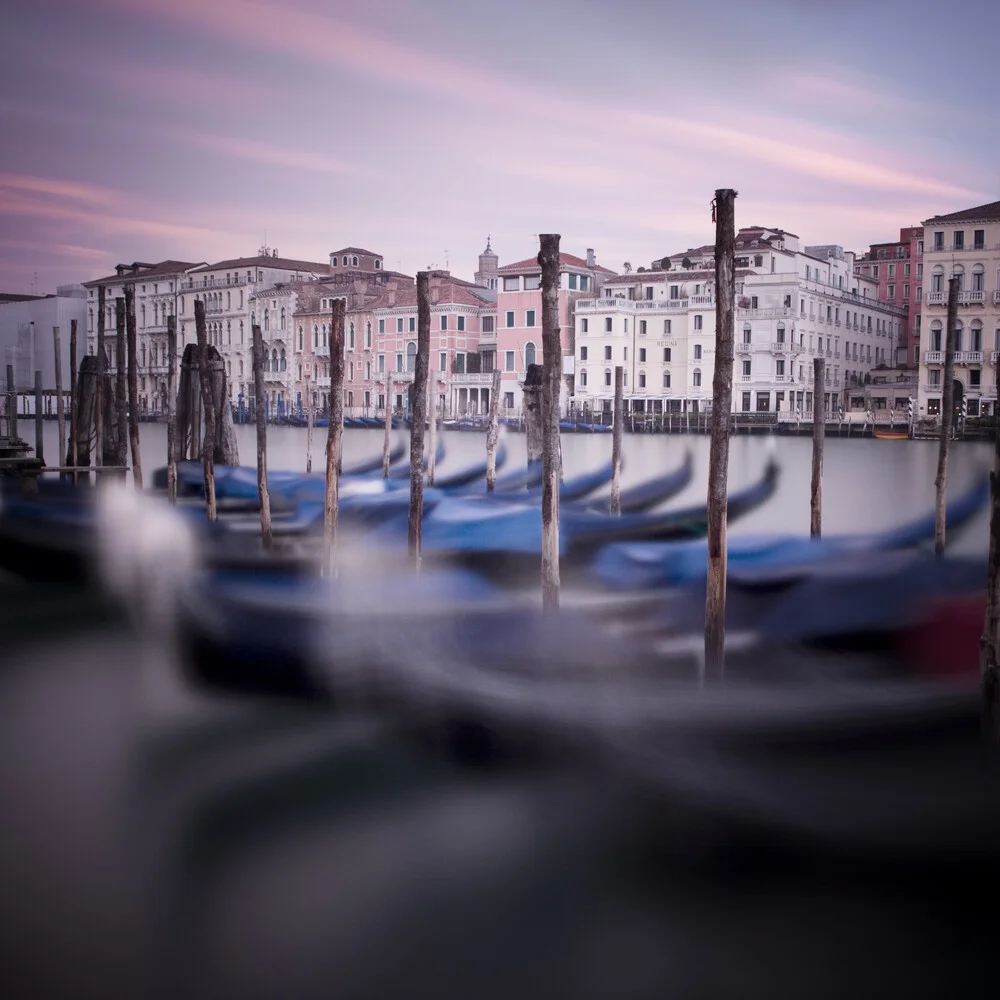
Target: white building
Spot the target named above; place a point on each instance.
(965, 244)
(26, 335)
(793, 305)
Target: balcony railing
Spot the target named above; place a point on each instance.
(746, 378)
(993, 357)
(973, 298)
(932, 387)
(969, 357)
(744, 348)
(471, 378)
(996, 297)
(936, 298)
(934, 357)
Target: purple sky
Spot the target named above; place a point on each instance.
(193, 128)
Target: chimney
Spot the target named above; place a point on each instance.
(591, 260)
(434, 293)
(392, 295)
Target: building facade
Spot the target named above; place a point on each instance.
(792, 305)
(519, 319)
(965, 245)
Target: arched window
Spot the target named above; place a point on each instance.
(642, 380)
(607, 376)
(354, 261)
(959, 272)
(282, 317)
(976, 335)
(781, 333)
(696, 377)
(90, 320)
(747, 333)
(274, 359)
(529, 354)
(350, 377)
(284, 363)
(253, 319)
(345, 260)
(937, 280)
(411, 356)
(368, 335)
(300, 338)
(142, 355)
(583, 377)
(241, 331)
(350, 338)
(229, 301)
(229, 333)
(267, 320)
(241, 369)
(978, 278)
(315, 336)
(958, 335)
(666, 380)
(326, 333)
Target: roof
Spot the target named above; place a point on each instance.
(358, 250)
(674, 277)
(981, 213)
(285, 263)
(14, 297)
(148, 271)
(448, 294)
(568, 259)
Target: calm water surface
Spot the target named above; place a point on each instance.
(867, 484)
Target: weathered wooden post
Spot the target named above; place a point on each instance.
(11, 404)
(74, 426)
(534, 378)
(335, 436)
(432, 417)
(99, 393)
(121, 377)
(548, 260)
(616, 443)
(419, 415)
(309, 427)
(208, 404)
(989, 669)
(172, 409)
(60, 416)
(947, 418)
(39, 439)
(133, 387)
(819, 433)
(493, 433)
(261, 419)
(724, 212)
(388, 424)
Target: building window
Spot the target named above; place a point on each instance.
(368, 336)
(583, 353)
(584, 282)
(906, 292)
(666, 327)
(583, 371)
(411, 356)
(891, 291)
(508, 361)
(666, 355)
(487, 324)
(975, 378)
(978, 278)
(461, 324)
(444, 322)
(675, 292)
(696, 378)
(666, 380)
(572, 287)
(350, 337)
(978, 239)
(959, 239)
(697, 352)
(745, 403)
(399, 361)
(381, 364)
(747, 369)
(443, 361)
(511, 284)
(892, 271)
(510, 319)
(780, 368)
(381, 326)
(529, 317)
(412, 327)
(607, 353)
(583, 326)
(529, 354)
(607, 376)
(642, 353)
(697, 322)
(939, 241)
(532, 282)
(642, 380)
(399, 325)
(607, 324)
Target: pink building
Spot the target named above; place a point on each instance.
(519, 318)
(898, 268)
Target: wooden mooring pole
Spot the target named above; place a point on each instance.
(724, 216)
(335, 437)
(60, 415)
(208, 405)
(819, 434)
(172, 409)
(616, 444)
(548, 260)
(432, 425)
(121, 379)
(947, 419)
(74, 426)
(989, 641)
(261, 420)
(39, 439)
(493, 433)
(99, 393)
(309, 427)
(133, 387)
(387, 439)
(419, 416)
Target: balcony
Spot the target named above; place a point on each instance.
(968, 357)
(937, 298)
(776, 312)
(975, 298)
(996, 297)
(471, 378)
(744, 348)
(934, 357)
(932, 387)
(323, 382)
(993, 357)
(746, 378)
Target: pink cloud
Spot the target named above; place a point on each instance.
(73, 190)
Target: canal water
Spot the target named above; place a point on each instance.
(868, 484)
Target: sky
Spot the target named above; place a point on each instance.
(203, 129)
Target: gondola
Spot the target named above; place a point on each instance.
(773, 560)
(887, 435)
(644, 496)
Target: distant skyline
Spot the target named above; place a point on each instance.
(198, 129)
